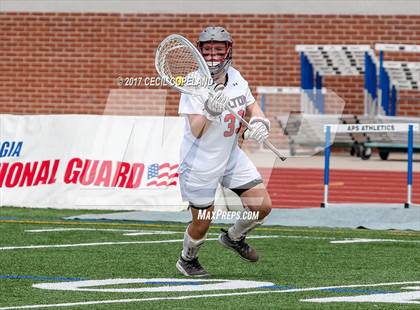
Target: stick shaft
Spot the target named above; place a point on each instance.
(266, 142)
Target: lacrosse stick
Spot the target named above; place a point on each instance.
(182, 67)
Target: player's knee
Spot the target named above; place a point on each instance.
(265, 209)
(200, 227)
(264, 212)
(204, 225)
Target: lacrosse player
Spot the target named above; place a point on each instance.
(210, 154)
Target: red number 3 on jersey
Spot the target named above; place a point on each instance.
(231, 122)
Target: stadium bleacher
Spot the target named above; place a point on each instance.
(303, 127)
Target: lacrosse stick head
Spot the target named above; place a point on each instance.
(182, 67)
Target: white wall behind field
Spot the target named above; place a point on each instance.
(358, 7)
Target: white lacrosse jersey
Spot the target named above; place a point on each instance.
(206, 157)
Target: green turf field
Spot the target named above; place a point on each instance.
(297, 263)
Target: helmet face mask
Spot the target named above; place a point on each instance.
(216, 55)
(215, 44)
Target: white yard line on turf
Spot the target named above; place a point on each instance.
(116, 301)
(332, 240)
(43, 246)
(83, 229)
(128, 232)
(361, 240)
(163, 233)
(134, 232)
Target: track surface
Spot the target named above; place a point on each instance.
(303, 188)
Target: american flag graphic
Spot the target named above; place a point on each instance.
(162, 174)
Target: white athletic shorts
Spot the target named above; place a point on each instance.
(200, 188)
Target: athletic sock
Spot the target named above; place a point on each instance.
(191, 246)
(241, 228)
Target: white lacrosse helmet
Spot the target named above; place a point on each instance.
(216, 34)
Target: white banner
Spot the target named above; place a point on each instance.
(355, 128)
(90, 162)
